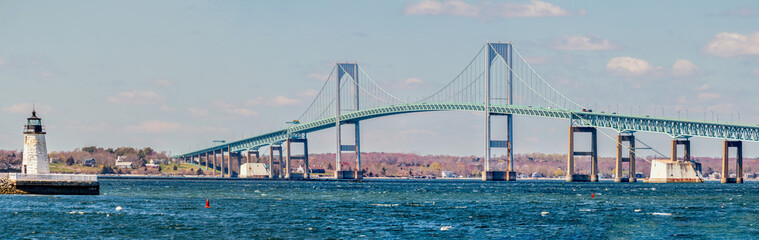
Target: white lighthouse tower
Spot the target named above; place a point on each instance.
(35, 147)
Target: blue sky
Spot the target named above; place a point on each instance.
(175, 75)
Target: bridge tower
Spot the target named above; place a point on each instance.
(504, 50)
(351, 69)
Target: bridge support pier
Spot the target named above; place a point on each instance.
(738, 145)
(571, 176)
(221, 163)
(235, 160)
(290, 157)
(621, 139)
(229, 161)
(275, 171)
(214, 163)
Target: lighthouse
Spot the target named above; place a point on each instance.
(35, 147)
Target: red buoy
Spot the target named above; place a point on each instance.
(207, 204)
(592, 195)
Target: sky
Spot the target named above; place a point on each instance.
(176, 75)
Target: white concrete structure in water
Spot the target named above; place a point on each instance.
(248, 170)
(668, 171)
(35, 147)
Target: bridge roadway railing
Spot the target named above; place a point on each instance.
(619, 122)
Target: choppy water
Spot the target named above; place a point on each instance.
(388, 209)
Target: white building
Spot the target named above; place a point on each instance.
(35, 147)
(448, 174)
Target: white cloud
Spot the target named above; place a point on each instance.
(418, 132)
(708, 96)
(283, 101)
(162, 82)
(537, 60)
(742, 12)
(628, 66)
(733, 45)
(198, 112)
(413, 81)
(318, 76)
(26, 108)
(136, 97)
(486, 9)
(155, 127)
(586, 42)
(242, 112)
(276, 101)
(307, 93)
(685, 68)
(408, 84)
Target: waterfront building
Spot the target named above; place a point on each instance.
(121, 164)
(448, 174)
(89, 162)
(35, 147)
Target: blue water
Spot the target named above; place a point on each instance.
(377, 209)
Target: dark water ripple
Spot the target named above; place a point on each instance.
(388, 210)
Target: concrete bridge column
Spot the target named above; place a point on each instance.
(271, 161)
(738, 145)
(621, 139)
(229, 161)
(214, 163)
(275, 168)
(288, 159)
(571, 176)
(206, 161)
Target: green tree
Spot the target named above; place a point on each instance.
(141, 154)
(70, 161)
(200, 171)
(148, 150)
(329, 166)
(124, 151)
(159, 168)
(140, 163)
(90, 149)
(558, 172)
(435, 166)
(175, 167)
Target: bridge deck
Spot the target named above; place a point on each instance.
(619, 122)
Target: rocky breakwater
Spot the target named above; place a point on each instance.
(7, 187)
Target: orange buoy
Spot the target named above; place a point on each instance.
(207, 204)
(592, 195)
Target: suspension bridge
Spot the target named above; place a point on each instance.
(498, 81)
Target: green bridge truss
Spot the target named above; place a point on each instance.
(619, 122)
